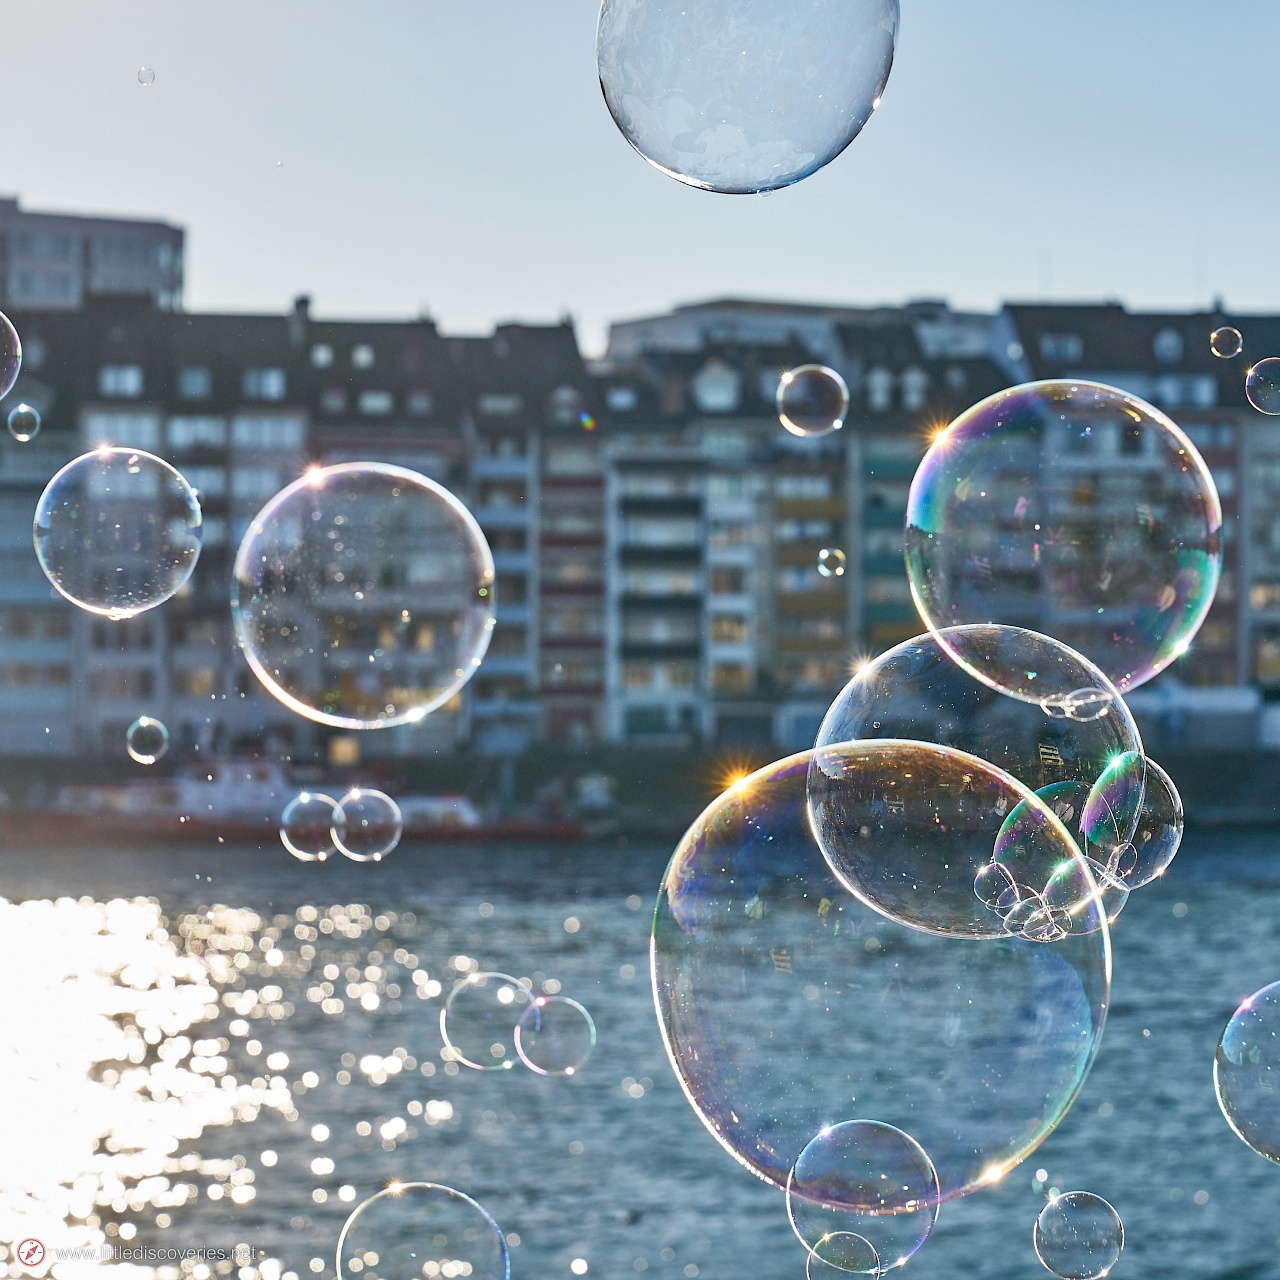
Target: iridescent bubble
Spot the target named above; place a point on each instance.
(118, 531)
(10, 355)
(1262, 386)
(1079, 1236)
(24, 423)
(743, 96)
(863, 1181)
(372, 825)
(1157, 834)
(1073, 508)
(1226, 343)
(1246, 1072)
(479, 1020)
(146, 740)
(781, 997)
(311, 825)
(1110, 814)
(855, 1254)
(146, 76)
(832, 562)
(363, 596)
(413, 1230)
(908, 826)
(555, 1036)
(812, 401)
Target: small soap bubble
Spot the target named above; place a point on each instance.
(24, 422)
(1262, 386)
(853, 1253)
(743, 96)
(1246, 1071)
(146, 76)
(422, 1229)
(118, 531)
(310, 826)
(146, 740)
(1079, 1236)
(479, 1020)
(10, 355)
(812, 401)
(555, 1036)
(865, 1180)
(832, 562)
(1226, 343)
(372, 825)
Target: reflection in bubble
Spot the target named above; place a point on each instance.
(555, 1036)
(146, 740)
(363, 596)
(310, 826)
(1226, 343)
(1246, 1072)
(1079, 1236)
(24, 423)
(10, 355)
(1262, 386)
(863, 1181)
(743, 96)
(371, 825)
(479, 1020)
(118, 531)
(1075, 504)
(766, 971)
(812, 401)
(420, 1231)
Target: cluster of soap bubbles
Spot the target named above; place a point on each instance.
(1261, 381)
(492, 1019)
(364, 825)
(919, 908)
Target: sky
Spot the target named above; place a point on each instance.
(454, 157)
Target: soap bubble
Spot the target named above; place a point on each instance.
(1226, 343)
(371, 825)
(146, 740)
(479, 1020)
(146, 76)
(1109, 817)
(1075, 509)
(1262, 386)
(781, 998)
(24, 423)
(311, 825)
(1079, 1236)
(555, 1036)
(416, 1229)
(118, 531)
(854, 1254)
(832, 562)
(745, 96)
(858, 1183)
(363, 596)
(1157, 833)
(907, 827)
(10, 355)
(1246, 1072)
(812, 401)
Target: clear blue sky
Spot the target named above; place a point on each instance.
(455, 155)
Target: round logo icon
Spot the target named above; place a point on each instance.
(30, 1253)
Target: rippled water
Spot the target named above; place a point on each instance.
(168, 1024)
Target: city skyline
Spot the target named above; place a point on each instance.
(461, 161)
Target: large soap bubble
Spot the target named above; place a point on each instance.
(1073, 509)
(812, 401)
(118, 531)
(743, 96)
(1246, 1072)
(863, 1181)
(785, 1003)
(422, 1229)
(363, 595)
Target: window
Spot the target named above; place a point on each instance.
(638, 675)
(195, 384)
(210, 482)
(420, 403)
(120, 381)
(880, 389)
(1265, 595)
(621, 399)
(254, 482)
(263, 384)
(1063, 348)
(267, 433)
(1167, 346)
(662, 582)
(888, 591)
(321, 355)
(731, 677)
(915, 388)
(729, 628)
(806, 530)
(197, 433)
(571, 571)
(811, 488)
(129, 430)
(731, 535)
(717, 388)
(661, 532)
(333, 400)
(194, 682)
(883, 542)
(643, 484)
(729, 488)
(728, 582)
(376, 402)
(362, 356)
(499, 404)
